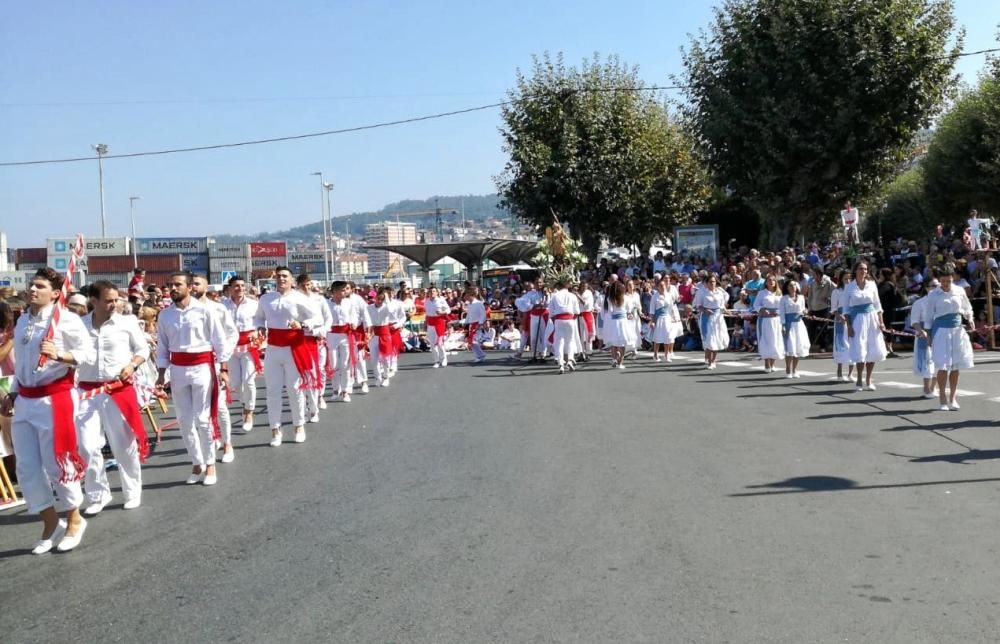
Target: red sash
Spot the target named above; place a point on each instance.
(63, 424)
(124, 396)
(564, 316)
(440, 325)
(204, 357)
(252, 349)
(588, 319)
(305, 361)
(397, 342)
(471, 333)
(385, 341)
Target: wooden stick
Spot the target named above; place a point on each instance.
(9, 493)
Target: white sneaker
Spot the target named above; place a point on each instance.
(571, 365)
(384, 383)
(210, 479)
(132, 504)
(247, 428)
(437, 365)
(68, 543)
(364, 388)
(858, 388)
(300, 435)
(322, 403)
(621, 365)
(193, 478)
(789, 375)
(944, 408)
(562, 369)
(45, 545)
(276, 439)
(796, 375)
(314, 418)
(229, 455)
(444, 363)
(870, 387)
(95, 508)
(954, 405)
(346, 397)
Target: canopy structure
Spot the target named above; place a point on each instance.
(470, 254)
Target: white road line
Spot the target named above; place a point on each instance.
(811, 374)
(900, 385)
(736, 364)
(962, 392)
(996, 400)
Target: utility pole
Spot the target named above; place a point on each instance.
(131, 215)
(101, 149)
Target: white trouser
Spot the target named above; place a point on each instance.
(225, 420)
(394, 359)
(539, 341)
(38, 473)
(191, 389)
(361, 367)
(565, 344)
(242, 374)
(102, 412)
(383, 363)
(312, 396)
(586, 341)
(340, 361)
(437, 345)
(280, 371)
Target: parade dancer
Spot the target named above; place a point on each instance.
(398, 313)
(199, 290)
(361, 332)
(245, 363)
(475, 317)
(633, 308)
(316, 343)
(793, 328)
(586, 326)
(345, 318)
(43, 402)
(710, 302)
(947, 307)
(841, 346)
(770, 344)
(437, 325)
(285, 315)
(616, 327)
(119, 348)
(191, 340)
(864, 325)
(381, 344)
(662, 309)
(563, 309)
(923, 361)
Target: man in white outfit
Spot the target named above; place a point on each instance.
(316, 337)
(361, 332)
(285, 315)
(191, 341)
(43, 402)
(346, 318)
(564, 307)
(109, 400)
(245, 363)
(381, 344)
(199, 290)
(398, 312)
(475, 317)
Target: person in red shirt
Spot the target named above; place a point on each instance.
(136, 287)
(686, 289)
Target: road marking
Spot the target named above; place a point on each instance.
(962, 392)
(735, 364)
(901, 385)
(811, 374)
(996, 400)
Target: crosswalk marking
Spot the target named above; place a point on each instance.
(731, 363)
(901, 385)
(811, 374)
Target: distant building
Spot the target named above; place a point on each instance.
(384, 233)
(351, 264)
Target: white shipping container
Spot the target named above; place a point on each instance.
(91, 247)
(31, 268)
(171, 245)
(261, 263)
(61, 262)
(220, 264)
(120, 280)
(18, 280)
(305, 257)
(229, 250)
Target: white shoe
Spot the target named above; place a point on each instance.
(314, 418)
(384, 383)
(45, 545)
(437, 365)
(944, 408)
(247, 428)
(210, 479)
(858, 388)
(562, 369)
(928, 395)
(621, 365)
(300, 436)
(194, 478)
(870, 387)
(276, 439)
(95, 508)
(322, 403)
(68, 543)
(954, 405)
(796, 375)
(444, 363)
(132, 504)
(229, 456)
(789, 375)
(346, 397)
(364, 388)
(571, 365)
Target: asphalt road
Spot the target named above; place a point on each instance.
(506, 503)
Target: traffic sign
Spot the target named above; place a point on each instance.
(228, 275)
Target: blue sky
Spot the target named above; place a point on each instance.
(142, 76)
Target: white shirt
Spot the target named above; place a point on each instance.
(228, 324)
(940, 302)
(662, 300)
(712, 300)
(193, 329)
(242, 313)
(437, 306)
(344, 312)
(855, 296)
(475, 312)
(115, 343)
(589, 303)
(397, 313)
(321, 311)
(788, 305)
(362, 305)
(767, 300)
(70, 336)
(528, 301)
(379, 315)
(277, 311)
(562, 301)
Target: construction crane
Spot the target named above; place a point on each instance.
(438, 213)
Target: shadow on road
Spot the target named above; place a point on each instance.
(805, 484)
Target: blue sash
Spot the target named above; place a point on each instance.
(661, 312)
(950, 321)
(705, 320)
(618, 316)
(921, 354)
(840, 336)
(859, 309)
(790, 319)
(768, 310)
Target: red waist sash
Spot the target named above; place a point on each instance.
(252, 349)
(385, 342)
(343, 329)
(588, 319)
(70, 463)
(440, 325)
(471, 333)
(124, 396)
(192, 360)
(563, 316)
(306, 360)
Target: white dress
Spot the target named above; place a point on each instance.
(633, 305)
(677, 325)
(867, 345)
(770, 343)
(618, 330)
(951, 349)
(841, 344)
(796, 336)
(923, 363)
(663, 309)
(711, 322)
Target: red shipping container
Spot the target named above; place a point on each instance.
(31, 256)
(268, 249)
(121, 263)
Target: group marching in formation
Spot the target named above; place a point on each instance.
(74, 383)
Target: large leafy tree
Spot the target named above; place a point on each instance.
(962, 166)
(588, 146)
(800, 104)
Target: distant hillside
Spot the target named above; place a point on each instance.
(476, 208)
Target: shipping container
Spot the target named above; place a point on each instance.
(305, 257)
(61, 263)
(220, 264)
(268, 263)
(229, 250)
(91, 247)
(314, 269)
(195, 263)
(268, 249)
(119, 278)
(30, 256)
(18, 280)
(165, 245)
(155, 263)
(31, 266)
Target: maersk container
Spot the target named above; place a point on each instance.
(164, 245)
(154, 263)
(221, 264)
(229, 251)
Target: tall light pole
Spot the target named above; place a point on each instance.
(131, 215)
(101, 149)
(327, 229)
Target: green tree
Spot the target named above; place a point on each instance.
(800, 104)
(902, 209)
(590, 147)
(962, 166)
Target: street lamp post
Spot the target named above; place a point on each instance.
(131, 214)
(101, 149)
(327, 226)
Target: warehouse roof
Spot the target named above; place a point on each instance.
(470, 254)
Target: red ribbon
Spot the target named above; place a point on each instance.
(124, 396)
(253, 349)
(307, 365)
(63, 424)
(471, 333)
(440, 325)
(588, 319)
(204, 357)
(385, 342)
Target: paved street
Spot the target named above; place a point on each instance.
(505, 503)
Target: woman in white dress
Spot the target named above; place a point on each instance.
(947, 307)
(841, 346)
(662, 310)
(923, 362)
(617, 328)
(710, 301)
(791, 310)
(770, 344)
(864, 325)
(633, 308)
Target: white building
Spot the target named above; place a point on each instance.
(385, 233)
